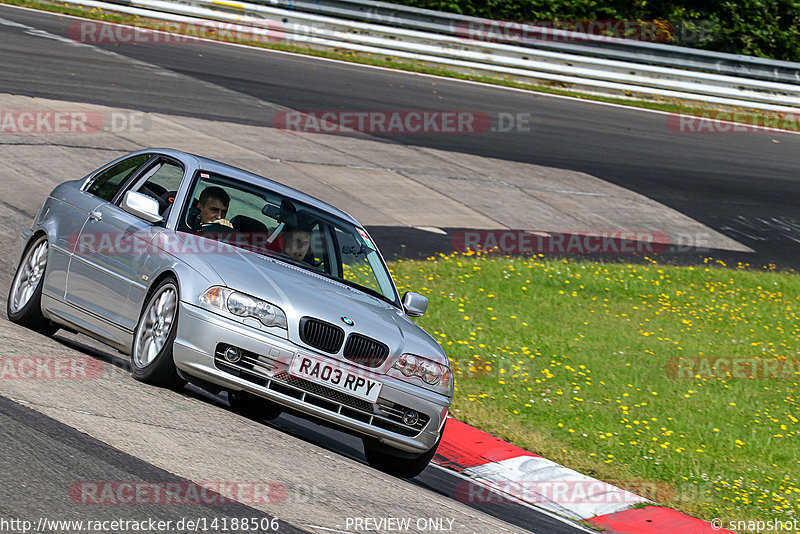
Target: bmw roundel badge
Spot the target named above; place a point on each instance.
(348, 321)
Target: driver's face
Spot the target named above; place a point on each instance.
(212, 210)
(296, 244)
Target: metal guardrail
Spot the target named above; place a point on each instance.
(594, 74)
(628, 50)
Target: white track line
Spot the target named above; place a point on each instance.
(506, 496)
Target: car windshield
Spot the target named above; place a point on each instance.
(263, 221)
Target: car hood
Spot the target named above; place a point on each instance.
(302, 293)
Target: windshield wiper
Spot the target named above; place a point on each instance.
(288, 259)
(365, 289)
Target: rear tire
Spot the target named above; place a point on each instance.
(253, 406)
(151, 354)
(381, 458)
(24, 305)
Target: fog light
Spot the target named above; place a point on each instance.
(232, 354)
(410, 417)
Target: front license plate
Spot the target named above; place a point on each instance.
(335, 377)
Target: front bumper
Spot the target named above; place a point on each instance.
(264, 372)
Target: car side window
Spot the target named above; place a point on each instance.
(106, 184)
(161, 182)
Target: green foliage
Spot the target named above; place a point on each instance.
(765, 28)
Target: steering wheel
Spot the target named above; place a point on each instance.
(216, 227)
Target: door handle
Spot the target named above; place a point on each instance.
(96, 215)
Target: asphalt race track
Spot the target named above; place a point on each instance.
(744, 185)
(55, 436)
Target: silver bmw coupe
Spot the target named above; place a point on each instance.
(209, 274)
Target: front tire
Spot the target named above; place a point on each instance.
(25, 295)
(151, 354)
(381, 458)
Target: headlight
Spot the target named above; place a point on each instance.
(241, 305)
(407, 364)
(431, 372)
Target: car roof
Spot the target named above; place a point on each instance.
(230, 171)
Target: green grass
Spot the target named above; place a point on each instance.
(572, 360)
(669, 105)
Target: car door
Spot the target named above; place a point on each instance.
(161, 180)
(107, 266)
(68, 208)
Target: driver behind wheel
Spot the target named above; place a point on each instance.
(213, 207)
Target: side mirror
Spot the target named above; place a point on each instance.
(142, 206)
(415, 304)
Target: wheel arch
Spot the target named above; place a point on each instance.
(30, 314)
(27, 244)
(168, 273)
